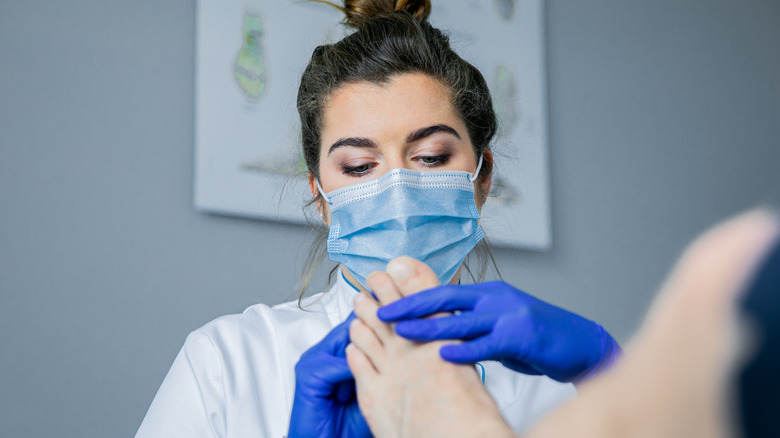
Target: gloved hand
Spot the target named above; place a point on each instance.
(325, 402)
(499, 322)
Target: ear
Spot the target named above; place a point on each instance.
(313, 185)
(487, 171)
(315, 191)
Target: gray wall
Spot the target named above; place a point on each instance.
(664, 117)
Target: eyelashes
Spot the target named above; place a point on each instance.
(429, 161)
(435, 160)
(357, 170)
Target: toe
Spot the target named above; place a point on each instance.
(411, 276)
(364, 338)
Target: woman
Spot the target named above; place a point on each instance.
(396, 131)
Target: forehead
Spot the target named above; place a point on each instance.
(405, 102)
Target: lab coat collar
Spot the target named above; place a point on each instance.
(345, 295)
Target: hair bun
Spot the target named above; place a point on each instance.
(360, 11)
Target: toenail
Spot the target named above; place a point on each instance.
(400, 269)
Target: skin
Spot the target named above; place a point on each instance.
(401, 385)
(367, 128)
(675, 377)
(673, 380)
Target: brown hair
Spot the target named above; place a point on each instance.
(358, 12)
(392, 37)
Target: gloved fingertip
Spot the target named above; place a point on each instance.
(454, 354)
(386, 313)
(612, 352)
(409, 330)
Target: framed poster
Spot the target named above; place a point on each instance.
(250, 55)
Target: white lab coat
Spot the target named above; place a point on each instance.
(235, 376)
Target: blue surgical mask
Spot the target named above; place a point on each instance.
(430, 216)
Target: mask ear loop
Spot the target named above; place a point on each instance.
(479, 167)
(325, 197)
(322, 192)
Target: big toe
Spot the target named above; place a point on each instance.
(411, 276)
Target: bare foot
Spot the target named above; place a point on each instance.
(405, 389)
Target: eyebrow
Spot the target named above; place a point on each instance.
(427, 132)
(358, 142)
(362, 142)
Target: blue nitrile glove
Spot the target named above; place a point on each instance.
(325, 402)
(499, 322)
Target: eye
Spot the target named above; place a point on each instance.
(357, 170)
(434, 160)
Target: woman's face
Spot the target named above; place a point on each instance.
(369, 129)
